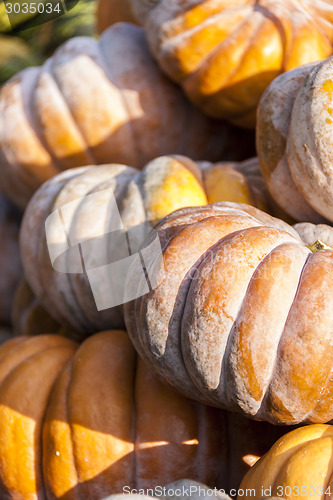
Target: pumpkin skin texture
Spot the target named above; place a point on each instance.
(10, 262)
(294, 145)
(302, 458)
(102, 420)
(164, 185)
(235, 284)
(224, 54)
(98, 102)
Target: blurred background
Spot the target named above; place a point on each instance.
(29, 43)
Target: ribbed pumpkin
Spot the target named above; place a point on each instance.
(98, 102)
(85, 422)
(299, 465)
(315, 234)
(10, 262)
(225, 53)
(294, 141)
(164, 185)
(237, 314)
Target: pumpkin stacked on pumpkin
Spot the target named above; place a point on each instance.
(237, 308)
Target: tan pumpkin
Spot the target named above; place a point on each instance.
(315, 234)
(225, 53)
(87, 421)
(236, 314)
(294, 141)
(10, 262)
(164, 185)
(98, 102)
(299, 465)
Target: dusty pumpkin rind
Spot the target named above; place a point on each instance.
(100, 101)
(224, 54)
(85, 198)
(236, 315)
(294, 141)
(86, 421)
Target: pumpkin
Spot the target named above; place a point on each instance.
(315, 234)
(164, 185)
(236, 314)
(97, 102)
(294, 141)
(225, 54)
(29, 318)
(94, 419)
(299, 465)
(10, 262)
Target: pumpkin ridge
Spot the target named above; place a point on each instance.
(172, 41)
(108, 71)
(262, 407)
(43, 277)
(34, 119)
(52, 62)
(193, 362)
(74, 461)
(24, 174)
(32, 439)
(201, 69)
(314, 410)
(287, 371)
(75, 123)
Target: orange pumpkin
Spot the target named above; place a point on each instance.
(224, 54)
(299, 465)
(10, 262)
(87, 421)
(100, 101)
(164, 185)
(294, 141)
(236, 314)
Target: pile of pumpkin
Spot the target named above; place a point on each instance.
(140, 146)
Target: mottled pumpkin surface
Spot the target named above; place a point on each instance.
(225, 53)
(241, 316)
(100, 101)
(83, 422)
(294, 141)
(85, 198)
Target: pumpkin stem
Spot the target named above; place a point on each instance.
(318, 245)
